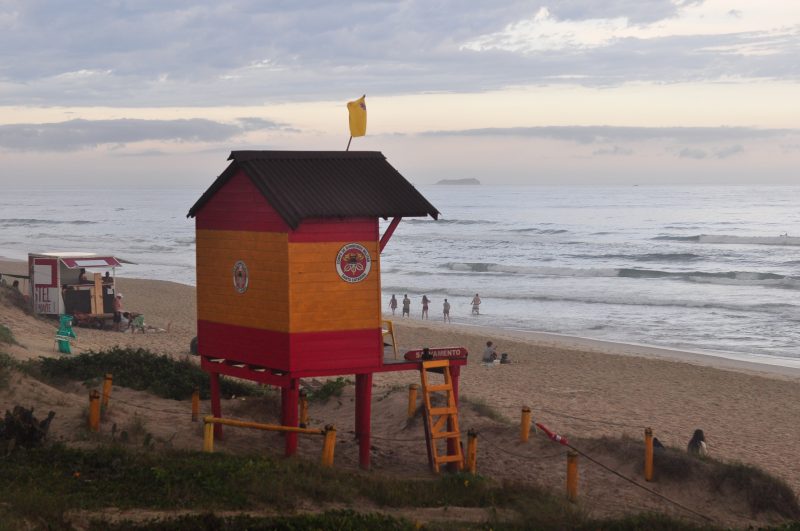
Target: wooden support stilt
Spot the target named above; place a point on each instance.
(363, 411)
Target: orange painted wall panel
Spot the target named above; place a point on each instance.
(265, 304)
(320, 300)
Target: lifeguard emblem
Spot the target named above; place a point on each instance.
(353, 262)
(240, 277)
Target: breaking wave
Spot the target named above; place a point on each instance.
(750, 278)
(26, 222)
(736, 240)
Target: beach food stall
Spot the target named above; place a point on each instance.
(78, 284)
(288, 273)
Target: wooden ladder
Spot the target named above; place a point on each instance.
(441, 423)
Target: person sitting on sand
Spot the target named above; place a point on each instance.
(425, 301)
(446, 311)
(118, 312)
(489, 353)
(476, 302)
(393, 303)
(504, 359)
(406, 306)
(697, 446)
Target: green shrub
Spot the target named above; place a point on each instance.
(139, 369)
(762, 491)
(340, 520)
(6, 364)
(329, 389)
(6, 335)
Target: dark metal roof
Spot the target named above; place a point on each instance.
(325, 184)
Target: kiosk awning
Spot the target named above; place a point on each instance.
(94, 261)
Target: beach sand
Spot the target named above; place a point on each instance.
(577, 387)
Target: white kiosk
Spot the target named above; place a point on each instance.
(56, 286)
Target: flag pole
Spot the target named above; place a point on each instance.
(348, 143)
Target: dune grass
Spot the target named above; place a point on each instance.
(138, 369)
(43, 485)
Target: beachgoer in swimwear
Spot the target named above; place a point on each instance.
(406, 306)
(393, 304)
(476, 302)
(446, 311)
(425, 301)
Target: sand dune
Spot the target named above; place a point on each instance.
(577, 387)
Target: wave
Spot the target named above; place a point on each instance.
(787, 312)
(750, 278)
(647, 257)
(539, 231)
(450, 221)
(24, 222)
(736, 240)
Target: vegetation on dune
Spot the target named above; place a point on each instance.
(762, 491)
(6, 364)
(339, 520)
(329, 389)
(43, 485)
(6, 336)
(138, 369)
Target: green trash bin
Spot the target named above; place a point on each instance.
(65, 334)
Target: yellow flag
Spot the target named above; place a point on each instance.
(358, 116)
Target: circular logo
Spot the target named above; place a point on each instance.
(353, 262)
(240, 277)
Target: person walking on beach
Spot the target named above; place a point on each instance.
(476, 302)
(393, 304)
(406, 305)
(697, 446)
(446, 311)
(425, 301)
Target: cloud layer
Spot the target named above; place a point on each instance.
(81, 134)
(168, 52)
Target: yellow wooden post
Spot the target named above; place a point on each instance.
(208, 435)
(195, 404)
(472, 451)
(525, 424)
(303, 408)
(94, 410)
(572, 475)
(412, 400)
(107, 389)
(648, 454)
(329, 446)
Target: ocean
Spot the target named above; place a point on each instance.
(707, 269)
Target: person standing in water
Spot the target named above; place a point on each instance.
(425, 301)
(476, 302)
(446, 311)
(393, 304)
(406, 306)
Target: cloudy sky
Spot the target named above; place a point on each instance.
(157, 92)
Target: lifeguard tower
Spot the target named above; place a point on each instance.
(288, 273)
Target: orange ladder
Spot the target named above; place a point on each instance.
(441, 423)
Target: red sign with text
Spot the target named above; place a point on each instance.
(441, 353)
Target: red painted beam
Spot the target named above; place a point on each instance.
(389, 232)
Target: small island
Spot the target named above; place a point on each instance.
(470, 181)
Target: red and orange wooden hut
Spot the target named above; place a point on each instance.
(288, 272)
